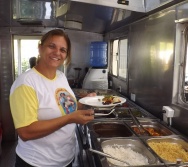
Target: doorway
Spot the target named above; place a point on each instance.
(25, 47)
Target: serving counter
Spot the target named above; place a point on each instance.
(117, 132)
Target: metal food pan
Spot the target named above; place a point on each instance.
(154, 128)
(106, 129)
(122, 112)
(178, 165)
(170, 151)
(136, 145)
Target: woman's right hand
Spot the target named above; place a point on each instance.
(82, 116)
(43, 128)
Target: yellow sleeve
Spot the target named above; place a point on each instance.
(23, 105)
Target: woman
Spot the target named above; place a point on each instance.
(46, 130)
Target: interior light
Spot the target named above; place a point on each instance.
(123, 2)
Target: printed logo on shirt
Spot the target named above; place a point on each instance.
(65, 101)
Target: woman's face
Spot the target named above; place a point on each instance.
(53, 52)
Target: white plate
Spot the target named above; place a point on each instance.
(96, 101)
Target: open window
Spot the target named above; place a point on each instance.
(184, 67)
(24, 48)
(180, 86)
(118, 64)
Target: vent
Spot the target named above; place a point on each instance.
(30, 22)
(73, 21)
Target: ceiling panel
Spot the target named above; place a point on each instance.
(86, 15)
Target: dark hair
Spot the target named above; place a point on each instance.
(62, 94)
(59, 32)
(32, 62)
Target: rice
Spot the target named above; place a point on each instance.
(127, 154)
(169, 151)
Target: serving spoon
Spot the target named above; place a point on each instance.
(108, 155)
(100, 114)
(104, 108)
(139, 125)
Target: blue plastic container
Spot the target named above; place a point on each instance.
(98, 54)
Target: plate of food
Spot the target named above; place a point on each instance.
(102, 101)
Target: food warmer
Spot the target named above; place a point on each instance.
(118, 129)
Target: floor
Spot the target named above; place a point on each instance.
(7, 158)
(7, 154)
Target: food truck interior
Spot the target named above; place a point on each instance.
(145, 62)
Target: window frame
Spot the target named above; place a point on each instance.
(118, 58)
(181, 52)
(19, 38)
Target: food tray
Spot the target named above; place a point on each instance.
(154, 128)
(173, 152)
(136, 145)
(123, 112)
(178, 165)
(106, 129)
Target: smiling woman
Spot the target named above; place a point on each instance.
(43, 96)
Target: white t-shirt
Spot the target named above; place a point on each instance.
(34, 97)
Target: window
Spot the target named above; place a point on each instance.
(123, 58)
(24, 48)
(115, 57)
(180, 86)
(184, 73)
(119, 58)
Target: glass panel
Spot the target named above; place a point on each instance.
(115, 57)
(185, 84)
(186, 71)
(23, 50)
(27, 9)
(123, 58)
(29, 48)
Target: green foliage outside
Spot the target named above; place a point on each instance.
(25, 66)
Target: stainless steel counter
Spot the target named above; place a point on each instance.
(119, 125)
